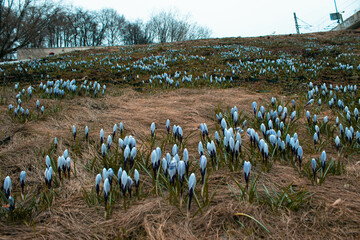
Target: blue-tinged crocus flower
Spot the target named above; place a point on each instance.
(191, 183)
(175, 150)
(181, 171)
(186, 160)
(48, 176)
(232, 147)
(129, 184)
(124, 183)
(7, 186)
(102, 136)
(68, 166)
(55, 143)
(119, 176)
(337, 143)
(168, 126)
(172, 170)
(180, 133)
(293, 115)
(132, 156)
(154, 161)
(313, 166)
(315, 137)
(341, 129)
(127, 152)
(97, 183)
(109, 141)
(74, 132)
(247, 169)
(37, 105)
(42, 109)
(223, 124)
(110, 175)
(217, 138)
(60, 165)
(86, 133)
(48, 161)
(203, 162)
(200, 149)
(137, 178)
(106, 191)
(121, 127)
(263, 129)
(175, 131)
(11, 203)
(273, 101)
(164, 164)
(300, 155)
(235, 118)
(358, 137)
(356, 113)
(308, 116)
(103, 150)
(273, 140)
(114, 130)
(323, 160)
(309, 102)
(254, 106)
(315, 119)
(121, 144)
(152, 129)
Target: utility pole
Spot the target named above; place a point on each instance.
(296, 24)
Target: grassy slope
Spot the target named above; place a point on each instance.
(137, 105)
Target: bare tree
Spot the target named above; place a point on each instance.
(171, 27)
(136, 33)
(20, 23)
(198, 32)
(115, 26)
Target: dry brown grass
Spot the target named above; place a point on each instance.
(324, 217)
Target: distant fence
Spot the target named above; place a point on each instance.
(32, 53)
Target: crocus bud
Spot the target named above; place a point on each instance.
(203, 162)
(106, 191)
(103, 150)
(7, 186)
(102, 136)
(74, 132)
(168, 126)
(114, 130)
(200, 149)
(152, 129)
(337, 143)
(323, 160)
(126, 155)
(172, 170)
(137, 178)
(86, 133)
(247, 169)
(97, 183)
(313, 166)
(181, 171)
(124, 182)
(109, 141)
(191, 183)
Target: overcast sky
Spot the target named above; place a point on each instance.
(232, 18)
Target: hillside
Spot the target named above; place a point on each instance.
(216, 82)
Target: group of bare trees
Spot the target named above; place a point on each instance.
(30, 23)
